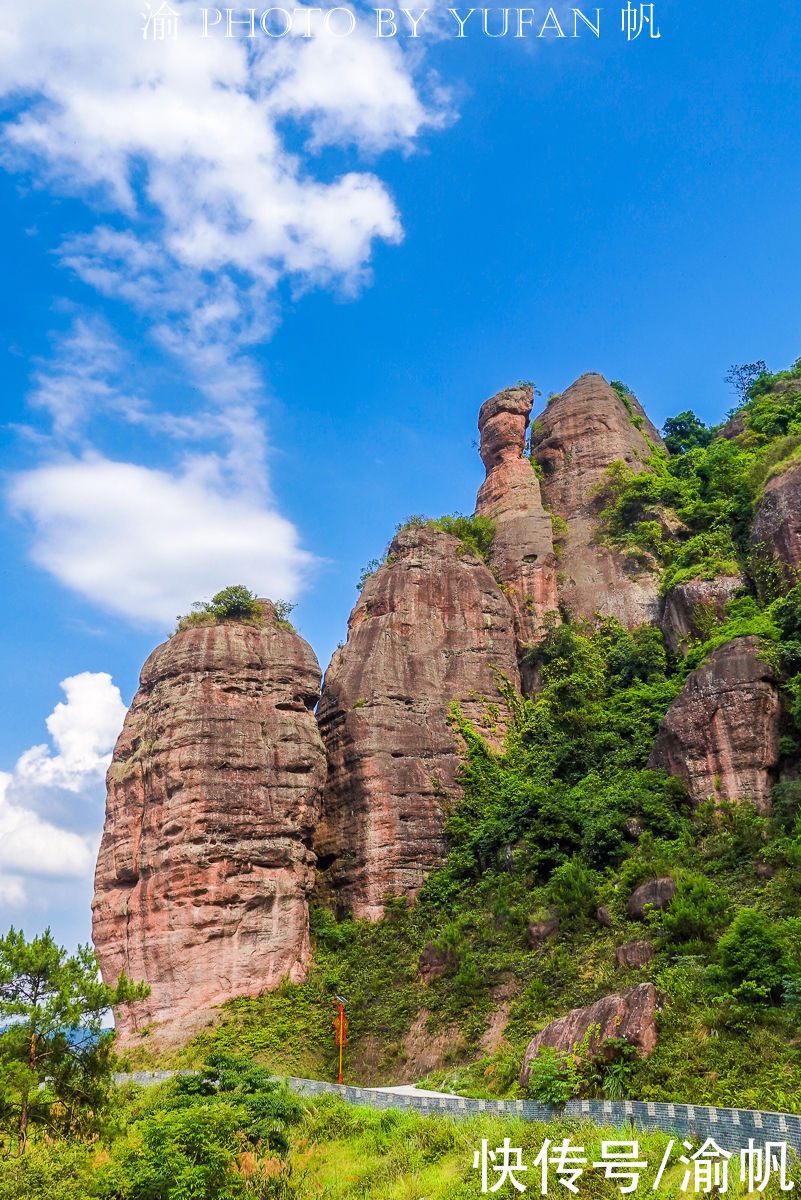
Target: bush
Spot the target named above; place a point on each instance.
(554, 1077)
(573, 889)
(234, 603)
(753, 951)
(696, 913)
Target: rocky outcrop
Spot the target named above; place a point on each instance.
(721, 734)
(213, 795)
(692, 609)
(656, 894)
(538, 932)
(629, 1015)
(574, 440)
(522, 555)
(777, 521)
(634, 954)
(431, 628)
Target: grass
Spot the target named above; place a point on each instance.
(344, 1152)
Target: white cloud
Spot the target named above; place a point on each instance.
(200, 125)
(145, 544)
(83, 731)
(193, 151)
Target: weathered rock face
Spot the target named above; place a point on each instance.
(777, 521)
(656, 893)
(574, 440)
(630, 1014)
(213, 795)
(689, 607)
(522, 554)
(721, 734)
(428, 630)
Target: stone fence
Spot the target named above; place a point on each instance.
(730, 1127)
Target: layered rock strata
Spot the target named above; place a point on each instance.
(213, 795)
(574, 440)
(431, 629)
(721, 734)
(522, 555)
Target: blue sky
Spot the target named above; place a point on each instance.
(252, 305)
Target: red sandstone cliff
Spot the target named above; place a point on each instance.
(213, 794)
(428, 630)
(777, 521)
(721, 734)
(522, 555)
(574, 440)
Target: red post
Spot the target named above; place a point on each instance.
(341, 1033)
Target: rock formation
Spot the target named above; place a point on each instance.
(430, 627)
(721, 734)
(574, 440)
(213, 795)
(634, 954)
(522, 555)
(777, 521)
(691, 609)
(656, 893)
(630, 1015)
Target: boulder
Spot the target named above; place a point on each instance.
(656, 893)
(433, 962)
(431, 629)
(634, 954)
(692, 609)
(604, 917)
(214, 791)
(539, 931)
(574, 440)
(629, 1015)
(721, 734)
(522, 555)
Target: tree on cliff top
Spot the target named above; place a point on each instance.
(55, 1057)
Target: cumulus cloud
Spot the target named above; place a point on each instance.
(145, 544)
(67, 776)
(83, 731)
(201, 158)
(223, 189)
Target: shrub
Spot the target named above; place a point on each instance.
(696, 913)
(573, 889)
(554, 1077)
(234, 603)
(754, 951)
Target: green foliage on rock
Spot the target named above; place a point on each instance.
(233, 605)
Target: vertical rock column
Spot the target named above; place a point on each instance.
(575, 439)
(427, 631)
(522, 555)
(213, 795)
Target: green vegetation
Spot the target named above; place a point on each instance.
(54, 1056)
(233, 605)
(689, 513)
(567, 819)
(474, 533)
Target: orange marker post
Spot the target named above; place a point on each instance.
(341, 1031)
